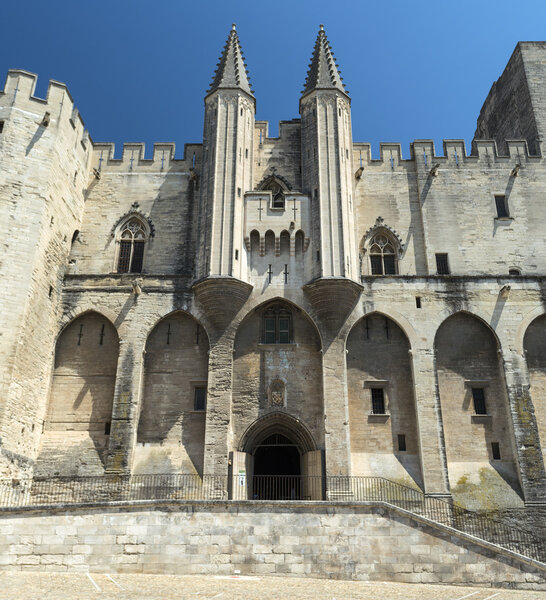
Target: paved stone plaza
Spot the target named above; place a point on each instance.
(24, 586)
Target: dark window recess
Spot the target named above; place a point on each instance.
(138, 255)
(389, 263)
(200, 398)
(502, 207)
(378, 401)
(495, 450)
(277, 326)
(478, 396)
(401, 442)
(514, 272)
(442, 265)
(107, 428)
(124, 256)
(1, 126)
(418, 301)
(377, 264)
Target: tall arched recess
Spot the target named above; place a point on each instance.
(277, 368)
(171, 427)
(478, 437)
(534, 345)
(77, 426)
(382, 416)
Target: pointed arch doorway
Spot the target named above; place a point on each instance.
(277, 460)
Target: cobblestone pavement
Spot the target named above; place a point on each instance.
(83, 586)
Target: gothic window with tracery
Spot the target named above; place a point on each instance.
(277, 326)
(382, 255)
(132, 241)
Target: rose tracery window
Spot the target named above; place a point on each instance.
(132, 240)
(382, 255)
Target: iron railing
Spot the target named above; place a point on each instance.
(45, 492)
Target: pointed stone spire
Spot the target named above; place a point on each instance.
(231, 71)
(323, 71)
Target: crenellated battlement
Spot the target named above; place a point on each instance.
(423, 154)
(133, 158)
(19, 90)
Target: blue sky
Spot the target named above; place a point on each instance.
(138, 70)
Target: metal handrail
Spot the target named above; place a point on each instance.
(49, 491)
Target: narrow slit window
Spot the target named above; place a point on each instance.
(495, 450)
(200, 398)
(378, 401)
(1, 126)
(478, 397)
(502, 207)
(442, 264)
(401, 442)
(107, 428)
(418, 301)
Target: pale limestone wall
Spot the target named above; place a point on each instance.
(256, 366)
(466, 357)
(171, 433)
(166, 198)
(280, 155)
(42, 181)
(378, 354)
(338, 542)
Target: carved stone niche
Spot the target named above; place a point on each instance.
(276, 394)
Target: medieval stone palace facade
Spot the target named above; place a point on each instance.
(284, 305)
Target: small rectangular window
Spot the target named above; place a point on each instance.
(269, 331)
(1, 126)
(238, 192)
(378, 401)
(478, 396)
(401, 442)
(495, 450)
(107, 428)
(442, 264)
(418, 301)
(502, 207)
(200, 398)
(284, 330)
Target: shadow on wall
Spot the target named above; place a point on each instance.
(175, 369)
(77, 428)
(478, 438)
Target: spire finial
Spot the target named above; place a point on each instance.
(323, 72)
(231, 71)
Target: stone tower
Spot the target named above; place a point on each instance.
(325, 110)
(44, 152)
(227, 163)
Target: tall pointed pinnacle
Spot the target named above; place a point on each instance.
(231, 71)
(323, 71)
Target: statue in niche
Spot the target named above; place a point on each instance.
(276, 395)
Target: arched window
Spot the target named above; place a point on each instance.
(277, 325)
(382, 255)
(277, 189)
(132, 240)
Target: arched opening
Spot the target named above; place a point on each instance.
(382, 415)
(474, 405)
(77, 428)
(299, 242)
(282, 461)
(285, 244)
(269, 243)
(534, 345)
(171, 427)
